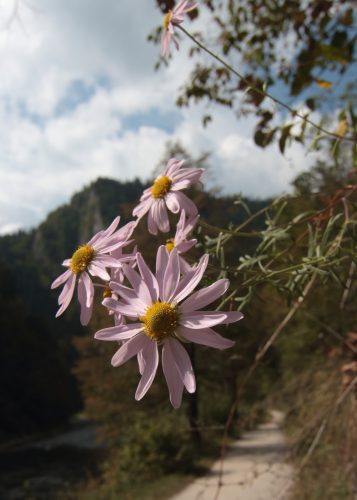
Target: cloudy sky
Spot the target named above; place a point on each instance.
(79, 98)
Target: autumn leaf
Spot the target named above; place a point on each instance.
(324, 84)
(342, 128)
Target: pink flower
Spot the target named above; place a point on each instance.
(180, 242)
(92, 258)
(173, 17)
(164, 313)
(166, 193)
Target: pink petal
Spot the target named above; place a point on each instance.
(86, 314)
(125, 232)
(173, 166)
(152, 224)
(172, 202)
(232, 317)
(171, 277)
(179, 185)
(81, 292)
(162, 218)
(126, 293)
(183, 364)
(202, 319)
(173, 379)
(141, 362)
(146, 194)
(67, 297)
(138, 284)
(185, 246)
(162, 259)
(190, 225)
(121, 332)
(108, 261)
(184, 266)
(119, 319)
(132, 309)
(141, 209)
(207, 337)
(61, 279)
(111, 228)
(186, 204)
(151, 357)
(89, 288)
(95, 238)
(129, 349)
(148, 277)
(117, 240)
(165, 43)
(68, 289)
(193, 175)
(181, 223)
(189, 282)
(183, 7)
(205, 296)
(98, 270)
(102, 235)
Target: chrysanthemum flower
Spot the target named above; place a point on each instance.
(173, 17)
(165, 314)
(180, 242)
(91, 259)
(165, 194)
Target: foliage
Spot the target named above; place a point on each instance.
(155, 446)
(305, 48)
(330, 471)
(29, 357)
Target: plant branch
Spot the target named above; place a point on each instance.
(293, 111)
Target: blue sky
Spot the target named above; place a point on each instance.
(79, 99)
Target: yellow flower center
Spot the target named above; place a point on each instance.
(170, 245)
(161, 320)
(107, 293)
(81, 259)
(166, 20)
(161, 186)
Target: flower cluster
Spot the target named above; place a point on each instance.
(157, 312)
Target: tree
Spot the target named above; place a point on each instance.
(302, 50)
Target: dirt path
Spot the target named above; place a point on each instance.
(254, 468)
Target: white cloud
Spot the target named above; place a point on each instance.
(45, 156)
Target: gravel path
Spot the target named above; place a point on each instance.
(254, 468)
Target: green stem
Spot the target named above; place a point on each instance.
(235, 232)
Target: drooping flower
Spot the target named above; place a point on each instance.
(165, 311)
(173, 17)
(180, 242)
(91, 259)
(165, 194)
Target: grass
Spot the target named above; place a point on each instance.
(330, 470)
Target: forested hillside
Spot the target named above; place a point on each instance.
(37, 355)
